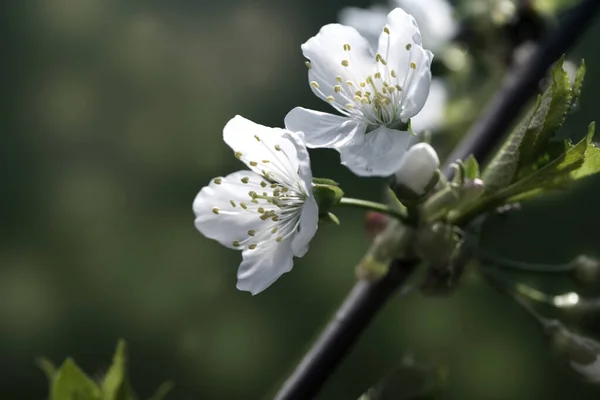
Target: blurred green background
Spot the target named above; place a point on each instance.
(111, 123)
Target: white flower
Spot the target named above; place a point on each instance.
(268, 212)
(375, 93)
(435, 18)
(433, 112)
(418, 167)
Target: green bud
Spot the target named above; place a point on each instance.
(327, 196)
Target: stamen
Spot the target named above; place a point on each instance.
(330, 99)
(253, 163)
(257, 138)
(217, 181)
(346, 47)
(215, 210)
(408, 46)
(232, 203)
(314, 84)
(263, 184)
(236, 243)
(386, 29)
(279, 239)
(337, 88)
(277, 147)
(243, 205)
(345, 63)
(252, 246)
(413, 65)
(261, 210)
(308, 65)
(251, 232)
(238, 154)
(245, 179)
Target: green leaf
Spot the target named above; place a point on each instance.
(162, 391)
(578, 161)
(47, 367)
(471, 168)
(115, 385)
(70, 383)
(502, 169)
(578, 84)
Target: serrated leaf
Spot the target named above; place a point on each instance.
(115, 385)
(47, 367)
(471, 168)
(70, 383)
(574, 164)
(578, 83)
(501, 171)
(164, 389)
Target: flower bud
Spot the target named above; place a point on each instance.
(586, 270)
(375, 223)
(418, 171)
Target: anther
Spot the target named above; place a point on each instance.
(266, 161)
(236, 243)
(257, 138)
(217, 181)
(274, 230)
(261, 210)
(253, 163)
(238, 154)
(337, 88)
(314, 84)
(345, 63)
(243, 205)
(215, 210)
(263, 184)
(279, 239)
(386, 30)
(393, 73)
(346, 47)
(413, 65)
(245, 179)
(338, 79)
(330, 99)
(408, 46)
(232, 203)
(252, 246)
(308, 65)
(277, 147)
(251, 232)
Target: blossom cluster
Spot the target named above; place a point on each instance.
(269, 211)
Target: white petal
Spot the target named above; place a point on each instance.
(264, 265)
(419, 80)
(326, 52)
(438, 27)
(368, 22)
(262, 149)
(309, 221)
(219, 219)
(303, 170)
(323, 130)
(403, 31)
(417, 167)
(379, 154)
(432, 115)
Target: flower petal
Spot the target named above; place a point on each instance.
(219, 212)
(417, 167)
(419, 80)
(380, 154)
(264, 265)
(309, 222)
(368, 22)
(323, 130)
(432, 115)
(262, 149)
(337, 51)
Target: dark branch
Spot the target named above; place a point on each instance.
(366, 298)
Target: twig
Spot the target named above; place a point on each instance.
(366, 298)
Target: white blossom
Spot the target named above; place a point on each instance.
(267, 212)
(435, 18)
(375, 93)
(417, 168)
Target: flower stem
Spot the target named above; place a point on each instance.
(373, 206)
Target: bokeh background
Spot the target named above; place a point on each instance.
(111, 123)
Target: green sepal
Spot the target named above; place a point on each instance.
(471, 168)
(115, 385)
(327, 196)
(324, 181)
(329, 217)
(71, 383)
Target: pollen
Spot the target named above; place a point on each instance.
(238, 154)
(245, 179)
(215, 210)
(252, 246)
(413, 65)
(345, 63)
(314, 84)
(232, 203)
(251, 232)
(308, 65)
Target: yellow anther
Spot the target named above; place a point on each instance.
(215, 210)
(358, 93)
(345, 63)
(238, 154)
(386, 30)
(232, 203)
(236, 243)
(408, 46)
(347, 47)
(252, 246)
(263, 184)
(399, 88)
(314, 84)
(277, 147)
(330, 99)
(274, 218)
(308, 65)
(273, 185)
(243, 205)
(349, 106)
(274, 230)
(266, 161)
(363, 84)
(365, 100)
(413, 65)
(284, 189)
(356, 98)
(255, 201)
(367, 94)
(276, 192)
(377, 75)
(253, 163)
(245, 179)
(257, 138)
(338, 79)
(350, 83)
(393, 73)
(217, 181)
(337, 88)
(279, 239)
(251, 232)
(260, 210)
(252, 194)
